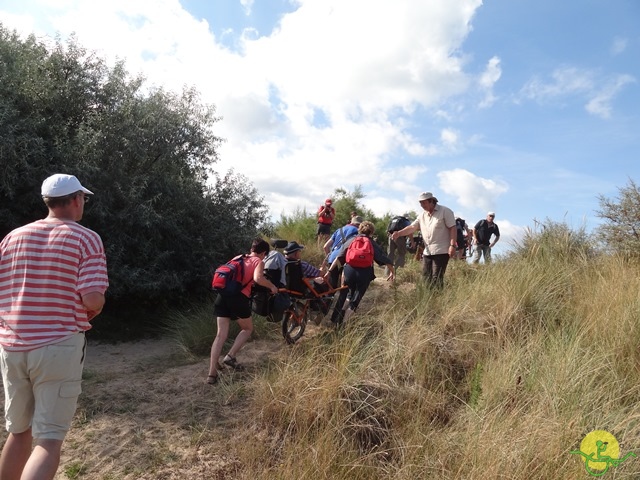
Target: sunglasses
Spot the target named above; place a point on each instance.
(84, 198)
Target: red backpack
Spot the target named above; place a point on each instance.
(360, 252)
(227, 279)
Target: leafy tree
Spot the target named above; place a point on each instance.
(621, 231)
(165, 216)
(346, 202)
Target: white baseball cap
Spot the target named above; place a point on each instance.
(59, 185)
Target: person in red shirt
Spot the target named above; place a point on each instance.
(238, 307)
(326, 214)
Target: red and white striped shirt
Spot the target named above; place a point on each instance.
(45, 267)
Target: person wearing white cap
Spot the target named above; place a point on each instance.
(437, 224)
(482, 232)
(53, 275)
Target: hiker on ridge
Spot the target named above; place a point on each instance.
(437, 224)
(482, 232)
(326, 214)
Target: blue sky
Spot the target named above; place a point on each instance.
(525, 107)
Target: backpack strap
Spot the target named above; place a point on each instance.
(242, 258)
(342, 235)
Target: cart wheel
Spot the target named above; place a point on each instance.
(294, 322)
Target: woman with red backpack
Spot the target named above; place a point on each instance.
(237, 306)
(358, 255)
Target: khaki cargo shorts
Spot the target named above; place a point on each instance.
(42, 386)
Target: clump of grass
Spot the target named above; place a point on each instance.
(74, 470)
(193, 329)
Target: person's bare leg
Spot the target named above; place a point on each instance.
(218, 343)
(44, 460)
(15, 454)
(246, 326)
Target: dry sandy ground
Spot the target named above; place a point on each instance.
(144, 415)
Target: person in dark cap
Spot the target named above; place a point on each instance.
(293, 252)
(53, 274)
(437, 224)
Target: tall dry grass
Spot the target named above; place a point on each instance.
(499, 375)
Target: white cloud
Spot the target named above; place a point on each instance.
(488, 79)
(247, 5)
(23, 24)
(597, 91)
(362, 66)
(600, 103)
(471, 192)
(564, 81)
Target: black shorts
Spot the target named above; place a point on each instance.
(233, 307)
(323, 229)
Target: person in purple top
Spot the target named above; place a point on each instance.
(293, 252)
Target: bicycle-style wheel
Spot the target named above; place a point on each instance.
(294, 321)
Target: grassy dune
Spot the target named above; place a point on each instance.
(500, 375)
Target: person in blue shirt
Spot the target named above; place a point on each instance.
(333, 245)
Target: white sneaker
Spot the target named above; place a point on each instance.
(347, 316)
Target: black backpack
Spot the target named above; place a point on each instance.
(460, 223)
(398, 223)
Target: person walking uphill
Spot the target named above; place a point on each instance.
(437, 225)
(399, 245)
(332, 246)
(358, 255)
(482, 232)
(53, 278)
(238, 307)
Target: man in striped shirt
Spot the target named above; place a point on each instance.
(53, 277)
